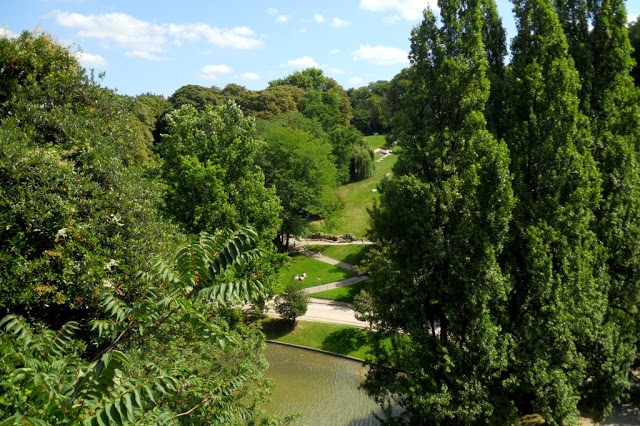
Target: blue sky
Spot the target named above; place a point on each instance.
(157, 46)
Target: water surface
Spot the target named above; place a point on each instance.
(322, 387)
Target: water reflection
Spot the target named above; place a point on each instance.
(323, 388)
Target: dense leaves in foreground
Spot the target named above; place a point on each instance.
(79, 207)
(175, 354)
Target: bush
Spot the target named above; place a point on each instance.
(292, 302)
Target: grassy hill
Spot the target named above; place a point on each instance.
(355, 198)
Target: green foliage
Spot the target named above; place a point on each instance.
(274, 101)
(355, 198)
(324, 100)
(43, 378)
(634, 39)
(78, 206)
(44, 381)
(559, 303)
(292, 301)
(198, 97)
(599, 45)
(298, 165)
(370, 109)
(437, 291)
(209, 167)
(399, 104)
(353, 158)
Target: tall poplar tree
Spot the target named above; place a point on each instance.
(559, 301)
(599, 43)
(438, 291)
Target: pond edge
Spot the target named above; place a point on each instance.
(293, 345)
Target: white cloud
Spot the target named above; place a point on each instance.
(632, 18)
(332, 70)
(302, 30)
(211, 72)
(380, 55)
(250, 76)
(282, 19)
(334, 52)
(138, 36)
(89, 60)
(123, 29)
(145, 55)
(272, 11)
(411, 10)
(355, 81)
(5, 32)
(391, 19)
(319, 18)
(304, 62)
(235, 38)
(339, 23)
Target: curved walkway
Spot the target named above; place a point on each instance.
(337, 284)
(322, 258)
(329, 311)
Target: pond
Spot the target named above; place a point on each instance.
(322, 387)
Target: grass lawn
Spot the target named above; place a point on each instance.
(341, 339)
(355, 198)
(375, 141)
(341, 294)
(317, 272)
(351, 253)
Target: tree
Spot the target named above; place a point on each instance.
(274, 101)
(298, 165)
(614, 113)
(324, 100)
(77, 205)
(438, 291)
(198, 97)
(494, 38)
(559, 299)
(353, 158)
(209, 166)
(370, 111)
(292, 302)
(399, 104)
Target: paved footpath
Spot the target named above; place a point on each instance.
(322, 258)
(328, 311)
(337, 284)
(304, 243)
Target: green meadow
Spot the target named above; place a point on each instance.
(356, 197)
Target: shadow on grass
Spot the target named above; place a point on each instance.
(277, 327)
(352, 291)
(356, 258)
(345, 341)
